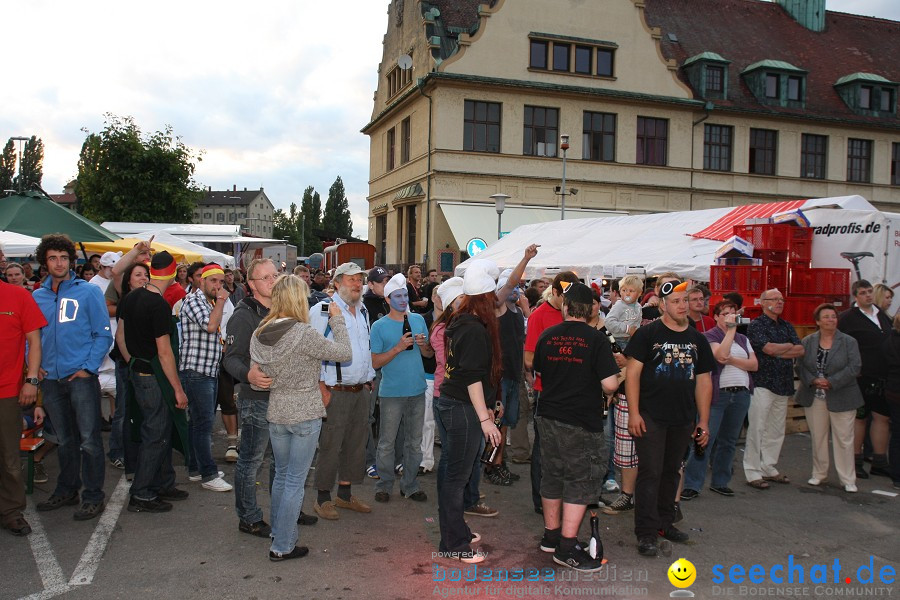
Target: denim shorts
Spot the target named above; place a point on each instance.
(572, 462)
(510, 398)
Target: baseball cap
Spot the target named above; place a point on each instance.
(378, 274)
(579, 293)
(347, 268)
(109, 259)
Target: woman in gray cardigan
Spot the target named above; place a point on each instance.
(290, 351)
(829, 395)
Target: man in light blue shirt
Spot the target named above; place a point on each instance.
(346, 388)
(398, 354)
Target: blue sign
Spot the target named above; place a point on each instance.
(475, 246)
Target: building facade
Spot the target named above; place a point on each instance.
(251, 209)
(669, 105)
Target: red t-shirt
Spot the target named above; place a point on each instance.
(173, 294)
(19, 314)
(705, 323)
(543, 317)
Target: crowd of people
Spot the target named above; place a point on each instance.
(631, 388)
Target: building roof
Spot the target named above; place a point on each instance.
(64, 199)
(749, 31)
(230, 197)
(447, 19)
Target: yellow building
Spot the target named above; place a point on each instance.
(669, 105)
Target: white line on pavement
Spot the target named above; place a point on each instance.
(48, 567)
(90, 558)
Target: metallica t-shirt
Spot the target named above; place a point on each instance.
(672, 361)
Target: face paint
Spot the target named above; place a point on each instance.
(513, 296)
(399, 300)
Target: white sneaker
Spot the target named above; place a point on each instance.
(610, 485)
(198, 477)
(231, 455)
(217, 485)
(850, 488)
(814, 481)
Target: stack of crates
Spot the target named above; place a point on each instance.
(784, 255)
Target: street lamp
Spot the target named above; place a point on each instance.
(564, 146)
(19, 139)
(499, 205)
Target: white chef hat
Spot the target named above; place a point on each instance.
(450, 290)
(504, 277)
(397, 282)
(480, 277)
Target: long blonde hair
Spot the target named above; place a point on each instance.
(289, 300)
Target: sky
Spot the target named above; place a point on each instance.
(273, 93)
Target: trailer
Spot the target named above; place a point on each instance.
(360, 253)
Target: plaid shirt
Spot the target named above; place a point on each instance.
(201, 351)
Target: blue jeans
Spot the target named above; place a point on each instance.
(201, 392)
(116, 439)
(462, 439)
(154, 471)
(610, 444)
(510, 398)
(410, 410)
(74, 408)
(253, 441)
(726, 418)
(536, 461)
(471, 495)
(293, 447)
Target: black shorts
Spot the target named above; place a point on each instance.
(873, 395)
(225, 393)
(573, 462)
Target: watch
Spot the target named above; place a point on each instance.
(33, 381)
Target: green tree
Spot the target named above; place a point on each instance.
(336, 218)
(126, 176)
(287, 224)
(8, 166)
(311, 208)
(32, 164)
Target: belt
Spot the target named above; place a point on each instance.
(734, 388)
(346, 388)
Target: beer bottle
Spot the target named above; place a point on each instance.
(407, 328)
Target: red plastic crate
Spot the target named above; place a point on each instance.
(801, 233)
(799, 264)
(820, 282)
(766, 237)
(737, 279)
(777, 276)
(771, 256)
(752, 312)
(800, 250)
(798, 310)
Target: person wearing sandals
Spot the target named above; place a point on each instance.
(289, 350)
(776, 345)
(732, 386)
(829, 395)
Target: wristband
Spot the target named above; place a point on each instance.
(485, 419)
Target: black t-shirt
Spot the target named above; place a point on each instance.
(147, 316)
(573, 358)
(376, 306)
(512, 343)
(672, 361)
(414, 296)
(469, 355)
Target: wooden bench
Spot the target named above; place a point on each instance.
(27, 446)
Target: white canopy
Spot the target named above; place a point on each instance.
(167, 238)
(16, 245)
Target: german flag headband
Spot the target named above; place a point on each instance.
(162, 266)
(211, 270)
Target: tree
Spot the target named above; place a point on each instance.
(32, 164)
(336, 218)
(287, 225)
(7, 166)
(126, 176)
(311, 207)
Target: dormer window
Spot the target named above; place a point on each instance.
(868, 94)
(708, 74)
(776, 83)
(772, 85)
(575, 56)
(715, 79)
(795, 89)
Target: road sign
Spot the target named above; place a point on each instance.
(475, 246)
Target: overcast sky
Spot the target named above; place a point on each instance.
(273, 92)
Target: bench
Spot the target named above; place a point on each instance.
(27, 446)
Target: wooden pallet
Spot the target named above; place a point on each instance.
(795, 421)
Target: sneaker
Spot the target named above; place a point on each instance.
(152, 506)
(673, 534)
(259, 529)
(471, 559)
(89, 511)
(550, 540)
(679, 516)
(307, 520)
(815, 481)
(647, 546)
(118, 463)
(577, 558)
(327, 511)
(297, 552)
(611, 485)
(494, 477)
(505, 472)
(199, 477)
(623, 503)
(850, 488)
(231, 454)
(382, 497)
(353, 504)
(423, 471)
(217, 485)
(372, 472)
(418, 496)
(398, 469)
(880, 470)
(481, 510)
(19, 527)
(861, 471)
(40, 473)
(172, 494)
(688, 494)
(54, 502)
(723, 491)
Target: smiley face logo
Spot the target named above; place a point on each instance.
(682, 573)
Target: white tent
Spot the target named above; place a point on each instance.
(167, 238)
(16, 245)
(607, 247)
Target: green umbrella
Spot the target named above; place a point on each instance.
(34, 214)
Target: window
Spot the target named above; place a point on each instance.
(771, 85)
(242, 215)
(795, 88)
(538, 54)
(865, 97)
(859, 160)
(652, 141)
(232, 217)
(541, 131)
(398, 79)
(715, 79)
(813, 153)
(404, 141)
(583, 60)
(717, 148)
(381, 237)
(887, 100)
(220, 217)
(481, 129)
(411, 234)
(391, 143)
(605, 62)
(599, 141)
(895, 164)
(561, 57)
(207, 215)
(763, 143)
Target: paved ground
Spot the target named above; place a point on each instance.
(196, 550)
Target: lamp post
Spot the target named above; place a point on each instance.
(19, 139)
(564, 146)
(499, 205)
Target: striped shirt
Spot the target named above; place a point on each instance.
(201, 351)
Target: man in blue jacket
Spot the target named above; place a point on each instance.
(74, 342)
